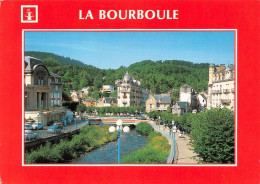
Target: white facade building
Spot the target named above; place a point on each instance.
(187, 94)
(221, 87)
(202, 101)
(129, 91)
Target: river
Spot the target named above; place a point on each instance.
(108, 153)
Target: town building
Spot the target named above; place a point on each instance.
(90, 102)
(56, 89)
(75, 97)
(83, 92)
(158, 103)
(107, 102)
(107, 88)
(43, 92)
(187, 94)
(144, 97)
(129, 91)
(221, 87)
(202, 99)
(179, 108)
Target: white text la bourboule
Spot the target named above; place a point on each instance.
(130, 14)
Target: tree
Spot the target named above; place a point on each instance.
(113, 94)
(213, 135)
(104, 94)
(98, 83)
(81, 107)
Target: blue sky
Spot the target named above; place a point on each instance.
(114, 49)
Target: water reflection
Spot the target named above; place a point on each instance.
(108, 154)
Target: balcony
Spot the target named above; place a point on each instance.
(225, 101)
(226, 91)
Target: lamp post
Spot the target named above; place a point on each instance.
(119, 128)
(95, 112)
(75, 122)
(174, 142)
(38, 117)
(159, 122)
(84, 116)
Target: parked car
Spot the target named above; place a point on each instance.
(37, 125)
(54, 129)
(58, 124)
(28, 127)
(29, 135)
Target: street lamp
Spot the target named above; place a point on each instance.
(159, 122)
(95, 112)
(75, 122)
(38, 117)
(119, 128)
(174, 142)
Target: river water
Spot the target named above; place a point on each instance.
(108, 154)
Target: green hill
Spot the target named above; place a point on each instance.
(59, 59)
(158, 76)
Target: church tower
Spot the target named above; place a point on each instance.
(211, 75)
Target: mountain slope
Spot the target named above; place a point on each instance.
(60, 59)
(157, 76)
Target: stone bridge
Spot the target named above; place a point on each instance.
(112, 120)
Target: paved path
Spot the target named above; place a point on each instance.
(184, 154)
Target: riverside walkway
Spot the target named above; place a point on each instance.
(183, 154)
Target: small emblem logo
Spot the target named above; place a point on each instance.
(29, 13)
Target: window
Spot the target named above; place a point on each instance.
(56, 87)
(56, 95)
(151, 106)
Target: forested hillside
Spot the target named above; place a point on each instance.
(158, 76)
(59, 59)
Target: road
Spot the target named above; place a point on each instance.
(70, 127)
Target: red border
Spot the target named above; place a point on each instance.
(240, 15)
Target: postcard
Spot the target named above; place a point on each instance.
(156, 92)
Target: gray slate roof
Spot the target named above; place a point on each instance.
(203, 96)
(111, 99)
(30, 62)
(183, 105)
(163, 99)
(231, 67)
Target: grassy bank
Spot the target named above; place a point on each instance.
(156, 151)
(89, 138)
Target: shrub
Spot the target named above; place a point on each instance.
(144, 128)
(156, 151)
